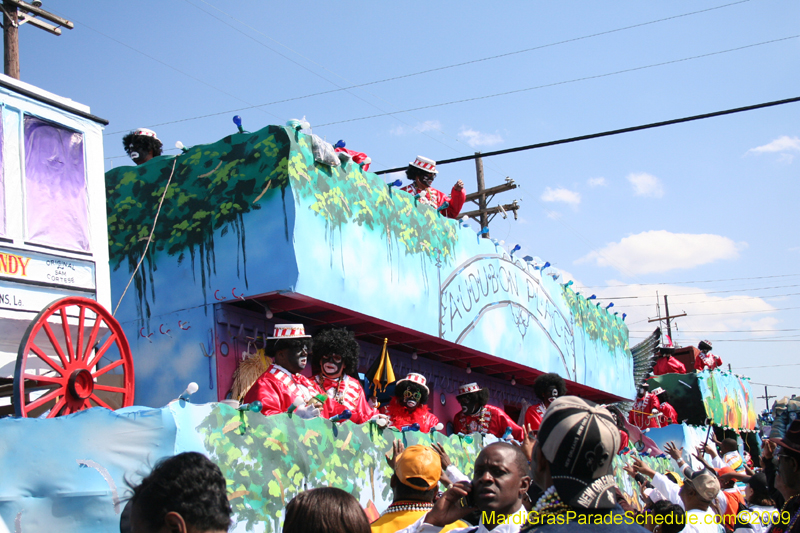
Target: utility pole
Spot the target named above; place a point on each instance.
(484, 215)
(767, 397)
(668, 318)
(15, 14)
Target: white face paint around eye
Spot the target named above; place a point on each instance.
(134, 155)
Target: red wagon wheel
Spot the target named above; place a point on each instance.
(80, 370)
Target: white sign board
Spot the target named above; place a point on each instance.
(25, 266)
(19, 297)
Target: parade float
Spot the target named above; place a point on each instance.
(253, 231)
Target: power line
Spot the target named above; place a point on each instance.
(773, 385)
(169, 67)
(506, 93)
(726, 300)
(403, 76)
(697, 293)
(767, 366)
(688, 282)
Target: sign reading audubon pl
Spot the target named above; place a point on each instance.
(488, 282)
(25, 266)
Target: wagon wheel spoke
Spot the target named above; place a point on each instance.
(71, 356)
(99, 402)
(109, 388)
(57, 408)
(92, 337)
(79, 347)
(44, 399)
(102, 350)
(45, 379)
(107, 368)
(54, 343)
(44, 357)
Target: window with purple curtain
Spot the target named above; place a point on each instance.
(2, 181)
(55, 186)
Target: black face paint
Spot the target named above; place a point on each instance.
(412, 398)
(294, 357)
(332, 366)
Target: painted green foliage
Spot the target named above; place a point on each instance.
(728, 399)
(624, 481)
(269, 460)
(213, 186)
(599, 324)
(345, 194)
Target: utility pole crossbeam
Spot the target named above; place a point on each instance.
(484, 215)
(766, 397)
(15, 14)
(668, 318)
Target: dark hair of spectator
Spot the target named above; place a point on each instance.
(188, 484)
(403, 492)
(401, 388)
(142, 144)
(728, 445)
(665, 508)
(339, 341)
(546, 382)
(325, 510)
(673, 477)
(520, 461)
(619, 418)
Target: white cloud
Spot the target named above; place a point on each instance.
(420, 127)
(662, 251)
(561, 195)
(475, 138)
(645, 184)
(709, 316)
(781, 144)
(597, 182)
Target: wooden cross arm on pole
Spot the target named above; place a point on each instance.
(39, 12)
(666, 317)
(513, 206)
(471, 197)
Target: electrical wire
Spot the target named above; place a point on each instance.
(427, 71)
(689, 282)
(696, 293)
(574, 80)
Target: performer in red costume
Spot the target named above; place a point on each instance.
(477, 416)
(667, 364)
(335, 363)
(408, 405)
(705, 360)
(547, 388)
(422, 172)
(644, 407)
(667, 415)
(282, 386)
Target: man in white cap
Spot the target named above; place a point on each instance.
(282, 386)
(477, 416)
(142, 145)
(422, 171)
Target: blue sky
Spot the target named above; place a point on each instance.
(664, 210)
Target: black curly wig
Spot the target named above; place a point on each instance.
(338, 341)
(548, 381)
(401, 388)
(142, 144)
(189, 484)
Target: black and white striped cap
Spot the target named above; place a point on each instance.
(580, 439)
